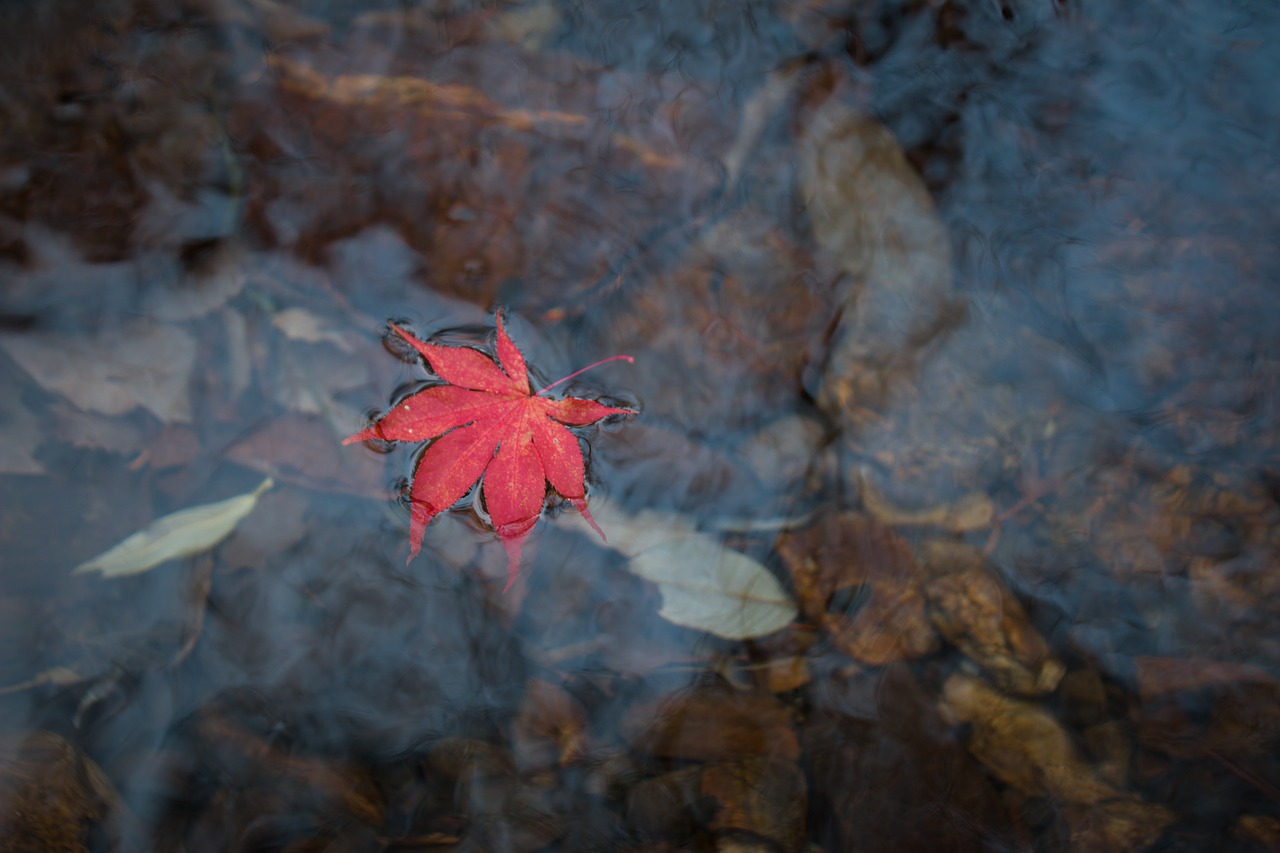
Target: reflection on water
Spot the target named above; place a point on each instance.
(955, 347)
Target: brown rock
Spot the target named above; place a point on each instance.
(971, 608)
(50, 795)
(1027, 749)
(847, 557)
(886, 753)
(308, 784)
(767, 798)
(869, 208)
(713, 725)
(550, 728)
(1260, 830)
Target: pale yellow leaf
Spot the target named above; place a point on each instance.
(712, 588)
(299, 324)
(704, 585)
(180, 534)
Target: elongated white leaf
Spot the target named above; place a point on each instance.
(180, 534)
(715, 589)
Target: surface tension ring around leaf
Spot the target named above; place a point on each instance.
(484, 421)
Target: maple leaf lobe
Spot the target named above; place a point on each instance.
(484, 422)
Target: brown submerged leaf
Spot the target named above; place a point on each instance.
(666, 805)
(500, 810)
(1159, 677)
(1203, 709)
(305, 451)
(82, 429)
(1262, 830)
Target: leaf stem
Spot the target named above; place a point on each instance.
(626, 358)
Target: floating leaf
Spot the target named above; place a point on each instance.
(485, 421)
(180, 534)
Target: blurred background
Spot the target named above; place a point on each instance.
(948, 522)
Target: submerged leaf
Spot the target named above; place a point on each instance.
(143, 364)
(704, 585)
(299, 324)
(180, 534)
(712, 588)
(20, 437)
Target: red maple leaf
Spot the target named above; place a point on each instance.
(486, 422)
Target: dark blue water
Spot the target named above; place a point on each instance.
(958, 319)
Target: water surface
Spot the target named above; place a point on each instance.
(955, 319)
